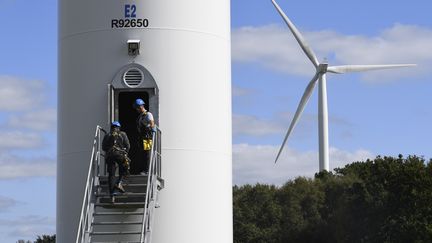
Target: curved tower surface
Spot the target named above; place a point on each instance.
(183, 68)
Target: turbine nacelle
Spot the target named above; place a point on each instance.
(322, 68)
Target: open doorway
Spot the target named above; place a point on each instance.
(131, 82)
(127, 116)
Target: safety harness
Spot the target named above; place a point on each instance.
(117, 148)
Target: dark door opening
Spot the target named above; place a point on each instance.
(127, 117)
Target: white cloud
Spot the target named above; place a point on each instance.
(20, 140)
(30, 226)
(270, 46)
(41, 120)
(251, 125)
(237, 91)
(255, 163)
(12, 167)
(28, 220)
(26, 121)
(6, 203)
(19, 94)
(254, 126)
(274, 47)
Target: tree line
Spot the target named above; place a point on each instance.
(386, 199)
(41, 239)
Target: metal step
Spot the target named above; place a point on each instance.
(117, 204)
(136, 188)
(117, 213)
(125, 194)
(120, 205)
(127, 185)
(117, 223)
(116, 233)
(116, 242)
(132, 179)
(122, 199)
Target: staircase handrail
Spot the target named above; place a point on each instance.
(93, 173)
(154, 172)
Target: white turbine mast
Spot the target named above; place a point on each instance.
(320, 76)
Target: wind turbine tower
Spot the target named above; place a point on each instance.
(175, 55)
(320, 76)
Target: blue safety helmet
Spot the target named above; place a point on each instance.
(115, 124)
(138, 102)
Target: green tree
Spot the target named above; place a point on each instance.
(46, 239)
(395, 196)
(257, 215)
(301, 201)
(388, 199)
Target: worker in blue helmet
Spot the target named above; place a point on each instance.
(116, 145)
(145, 126)
(138, 103)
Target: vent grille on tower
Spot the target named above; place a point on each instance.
(133, 77)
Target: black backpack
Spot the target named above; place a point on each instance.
(117, 149)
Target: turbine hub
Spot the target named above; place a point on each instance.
(322, 68)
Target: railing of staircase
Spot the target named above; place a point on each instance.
(154, 171)
(93, 173)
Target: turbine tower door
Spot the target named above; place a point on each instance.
(127, 116)
(133, 82)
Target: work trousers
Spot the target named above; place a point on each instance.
(112, 160)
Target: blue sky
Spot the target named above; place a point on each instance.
(376, 113)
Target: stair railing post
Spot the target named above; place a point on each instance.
(83, 225)
(151, 171)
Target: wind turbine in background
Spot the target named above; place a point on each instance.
(320, 77)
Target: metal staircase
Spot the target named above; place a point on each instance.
(130, 217)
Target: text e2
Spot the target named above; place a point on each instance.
(130, 11)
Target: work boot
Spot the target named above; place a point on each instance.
(120, 188)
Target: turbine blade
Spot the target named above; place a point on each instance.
(305, 98)
(360, 68)
(307, 50)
